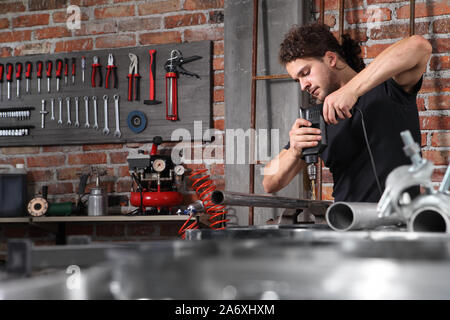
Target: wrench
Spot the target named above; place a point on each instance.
(105, 101)
(52, 101)
(117, 133)
(86, 108)
(77, 122)
(68, 111)
(60, 110)
(43, 112)
(95, 113)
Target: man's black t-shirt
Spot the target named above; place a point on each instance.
(387, 110)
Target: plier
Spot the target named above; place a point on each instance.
(111, 68)
(133, 74)
(96, 65)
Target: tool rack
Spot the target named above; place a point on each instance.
(194, 97)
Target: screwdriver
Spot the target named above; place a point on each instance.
(83, 67)
(59, 65)
(1, 80)
(66, 70)
(18, 76)
(39, 74)
(49, 74)
(9, 72)
(73, 70)
(28, 75)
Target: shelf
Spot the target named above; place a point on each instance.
(117, 218)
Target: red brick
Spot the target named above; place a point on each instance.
(62, 16)
(6, 52)
(6, 8)
(19, 150)
(423, 139)
(440, 139)
(118, 157)
(218, 64)
(110, 230)
(439, 102)
(420, 104)
(38, 5)
(369, 2)
(203, 4)
(140, 24)
(30, 20)
(87, 158)
(217, 169)
(441, 26)
(219, 183)
(440, 45)
(33, 48)
(4, 23)
(219, 95)
(65, 149)
(438, 174)
(359, 34)
(114, 12)
(370, 15)
(52, 32)
(15, 231)
(374, 50)
(219, 79)
(39, 175)
(432, 8)
(184, 20)
(12, 161)
(46, 161)
(160, 37)
(68, 173)
(434, 123)
(88, 3)
(438, 157)
(330, 20)
(333, 4)
(15, 36)
(123, 171)
(74, 45)
(397, 30)
(218, 109)
(216, 17)
(219, 124)
(60, 188)
(116, 41)
(210, 33)
(440, 63)
(123, 186)
(435, 85)
(91, 28)
(218, 48)
(159, 7)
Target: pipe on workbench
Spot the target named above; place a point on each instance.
(345, 216)
(430, 213)
(266, 201)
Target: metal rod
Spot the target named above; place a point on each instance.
(412, 16)
(341, 20)
(262, 200)
(319, 180)
(271, 77)
(322, 11)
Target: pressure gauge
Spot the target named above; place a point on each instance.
(159, 165)
(179, 170)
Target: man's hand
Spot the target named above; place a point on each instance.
(301, 136)
(339, 103)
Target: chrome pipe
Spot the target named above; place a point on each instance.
(430, 213)
(344, 216)
(266, 201)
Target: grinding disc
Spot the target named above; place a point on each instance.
(137, 121)
(37, 207)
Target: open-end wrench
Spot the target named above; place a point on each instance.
(117, 132)
(52, 103)
(94, 98)
(105, 101)
(77, 122)
(86, 109)
(69, 122)
(43, 112)
(60, 110)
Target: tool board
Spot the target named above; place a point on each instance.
(194, 98)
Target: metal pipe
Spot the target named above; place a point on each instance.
(341, 20)
(266, 201)
(430, 213)
(412, 6)
(344, 216)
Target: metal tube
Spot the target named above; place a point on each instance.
(344, 216)
(430, 213)
(412, 6)
(266, 201)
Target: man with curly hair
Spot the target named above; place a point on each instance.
(384, 93)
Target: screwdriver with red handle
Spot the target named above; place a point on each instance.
(39, 67)
(73, 70)
(28, 68)
(9, 78)
(66, 70)
(18, 77)
(1, 79)
(59, 65)
(49, 73)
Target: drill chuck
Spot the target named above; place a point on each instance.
(312, 171)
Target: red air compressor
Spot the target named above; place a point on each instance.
(156, 179)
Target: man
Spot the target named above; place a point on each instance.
(379, 99)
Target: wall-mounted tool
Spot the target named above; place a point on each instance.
(39, 67)
(74, 66)
(136, 121)
(152, 68)
(28, 69)
(133, 78)
(9, 78)
(59, 66)
(49, 73)
(1, 80)
(15, 131)
(83, 67)
(66, 70)
(20, 113)
(96, 69)
(111, 72)
(173, 67)
(117, 132)
(43, 112)
(18, 77)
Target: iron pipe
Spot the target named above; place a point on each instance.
(430, 213)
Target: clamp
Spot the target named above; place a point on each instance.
(111, 68)
(133, 73)
(96, 65)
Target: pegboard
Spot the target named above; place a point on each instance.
(194, 97)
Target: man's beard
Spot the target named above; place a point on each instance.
(329, 88)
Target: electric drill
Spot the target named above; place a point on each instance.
(311, 155)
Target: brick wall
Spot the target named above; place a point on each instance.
(379, 23)
(39, 27)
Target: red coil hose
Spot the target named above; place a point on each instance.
(204, 188)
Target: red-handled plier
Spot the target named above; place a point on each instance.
(111, 68)
(96, 65)
(133, 74)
